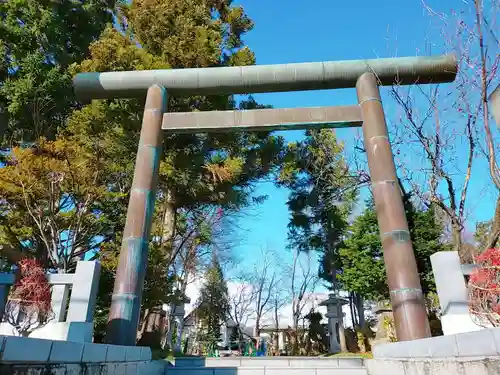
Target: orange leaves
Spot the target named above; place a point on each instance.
(49, 167)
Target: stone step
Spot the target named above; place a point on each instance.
(270, 362)
(260, 370)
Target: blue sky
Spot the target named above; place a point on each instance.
(298, 31)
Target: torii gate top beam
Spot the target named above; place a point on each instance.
(266, 78)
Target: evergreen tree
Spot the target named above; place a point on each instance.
(213, 303)
(197, 170)
(363, 269)
(322, 191)
(316, 331)
(39, 40)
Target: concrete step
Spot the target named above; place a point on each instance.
(248, 370)
(271, 362)
(267, 366)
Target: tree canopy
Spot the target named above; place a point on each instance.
(39, 40)
(361, 255)
(69, 166)
(321, 191)
(51, 202)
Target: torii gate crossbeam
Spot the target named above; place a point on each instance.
(366, 75)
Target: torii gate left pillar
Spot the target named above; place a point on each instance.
(129, 282)
(366, 75)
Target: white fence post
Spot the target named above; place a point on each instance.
(453, 293)
(77, 326)
(84, 292)
(59, 301)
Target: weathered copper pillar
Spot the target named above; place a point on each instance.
(126, 301)
(407, 300)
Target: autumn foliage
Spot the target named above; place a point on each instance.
(484, 285)
(32, 286)
(29, 305)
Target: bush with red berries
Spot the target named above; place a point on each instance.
(484, 287)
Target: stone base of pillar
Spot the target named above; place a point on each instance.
(458, 323)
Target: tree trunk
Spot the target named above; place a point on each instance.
(169, 219)
(456, 230)
(168, 232)
(180, 328)
(351, 307)
(277, 329)
(256, 331)
(494, 237)
(361, 310)
(295, 321)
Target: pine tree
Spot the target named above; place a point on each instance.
(322, 193)
(213, 303)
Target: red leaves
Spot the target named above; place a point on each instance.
(32, 287)
(484, 285)
(490, 257)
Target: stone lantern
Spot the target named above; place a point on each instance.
(176, 318)
(335, 317)
(178, 315)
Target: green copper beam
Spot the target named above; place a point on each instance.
(266, 78)
(262, 119)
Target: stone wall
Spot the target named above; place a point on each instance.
(443, 366)
(22, 355)
(471, 353)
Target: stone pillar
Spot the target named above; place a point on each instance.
(179, 323)
(84, 292)
(177, 320)
(334, 341)
(6, 280)
(59, 301)
(453, 293)
(224, 334)
(168, 323)
(281, 341)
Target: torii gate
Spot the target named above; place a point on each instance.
(410, 314)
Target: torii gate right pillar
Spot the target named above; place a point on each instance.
(410, 316)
